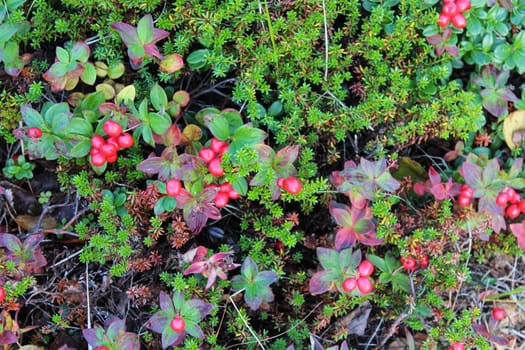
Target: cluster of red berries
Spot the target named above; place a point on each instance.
(226, 192)
(213, 156)
(512, 202)
(362, 282)
(466, 196)
(498, 314)
(291, 184)
(103, 150)
(34, 132)
(453, 11)
(456, 346)
(411, 264)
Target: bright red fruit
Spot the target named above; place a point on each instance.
(443, 20)
(364, 285)
(280, 182)
(521, 205)
(513, 211)
(463, 201)
(108, 150)
(456, 346)
(292, 185)
(173, 187)
(349, 284)
(101, 348)
(125, 140)
(216, 145)
(112, 158)
(98, 159)
(233, 194)
(113, 141)
(221, 199)
(498, 313)
(467, 191)
(207, 154)
(225, 187)
(462, 5)
(459, 21)
(2, 294)
(214, 167)
(365, 268)
(34, 133)
(97, 141)
(449, 9)
(409, 263)
(112, 128)
(502, 199)
(423, 262)
(177, 324)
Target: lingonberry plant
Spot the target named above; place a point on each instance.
(113, 336)
(177, 318)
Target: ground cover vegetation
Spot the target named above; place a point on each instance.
(262, 174)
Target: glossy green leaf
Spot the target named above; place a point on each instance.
(158, 97)
(159, 123)
(81, 149)
(218, 125)
(89, 75)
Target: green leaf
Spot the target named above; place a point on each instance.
(197, 59)
(159, 123)
(7, 30)
(240, 185)
(147, 135)
(218, 125)
(54, 110)
(401, 281)
(248, 135)
(165, 204)
(126, 95)
(377, 261)
(62, 54)
(11, 52)
(234, 119)
(60, 122)
(80, 126)
(249, 269)
(89, 75)
(80, 52)
(145, 29)
(158, 97)
(31, 117)
(81, 149)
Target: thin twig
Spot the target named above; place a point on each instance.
(244, 320)
(88, 305)
(392, 330)
(325, 42)
(67, 259)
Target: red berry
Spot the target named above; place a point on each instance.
(34, 133)
(207, 154)
(101, 348)
(173, 187)
(409, 263)
(292, 185)
(459, 21)
(112, 158)
(233, 194)
(221, 199)
(125, 140)
(177, 324)
(502, 199)
(423, 262)
(513, 211)
(443, 20)
(216, 145)
(278, 245)
(498, 313)
(463, 201)
(2, 294)
(97, 141)
(280, 182)
(214, 167)
(467, 191)
(456, 346)
(113, 141)
(98, 159)
(365, 268)
(521, 205)
(349, 284)
(462, 5)
(515, 198)
(449, 9)
(364, 285)
(225, 187)
(223, 149)
(108, 150)
(112, 128)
